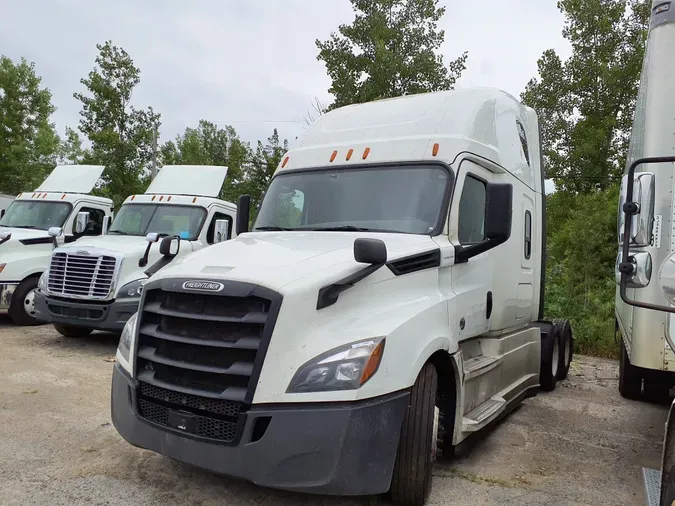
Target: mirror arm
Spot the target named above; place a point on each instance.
(630, 208)
(6, 238)
(464, 253)
(143, 261)
(158, 265)
(328, 295)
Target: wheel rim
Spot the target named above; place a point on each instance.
(568, 351)
(29, 303)
(555, 358)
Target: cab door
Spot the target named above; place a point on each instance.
(472, 280)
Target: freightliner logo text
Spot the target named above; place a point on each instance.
(208, 286)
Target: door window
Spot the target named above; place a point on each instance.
(472, 211)
(95, 223)
(212, 226)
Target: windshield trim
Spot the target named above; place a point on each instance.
(69, 205)
(445, 203)
(158, 204)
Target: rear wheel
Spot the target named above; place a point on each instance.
(550, 358)
(22, 309)
(411, 481)
(566, 348)
(630, 377)
(72, 331)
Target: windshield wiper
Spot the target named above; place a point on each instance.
(273, 229)
(32, 227)
(346, 228)
(118, 232)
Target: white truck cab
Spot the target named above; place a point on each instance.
(395, 270)
(96, 284)
(61, 203)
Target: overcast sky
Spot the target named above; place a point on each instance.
(250, 63)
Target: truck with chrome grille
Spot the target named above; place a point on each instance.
(96, 284)
(385, 306)
(60, 211)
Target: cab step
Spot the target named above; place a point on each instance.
(480, 416)
(652, 482)
(480, 364)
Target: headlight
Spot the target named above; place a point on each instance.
(344, 368)
(42, 282)
(133, 289)
(126, 341)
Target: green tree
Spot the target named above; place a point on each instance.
(261, 168)
(209, 145)
(28, 141)
(391, 49)
(586, 103)
(70, 149)
(121, 135)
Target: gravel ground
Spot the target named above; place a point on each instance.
(579, 445)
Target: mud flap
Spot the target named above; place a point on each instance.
(660, 487)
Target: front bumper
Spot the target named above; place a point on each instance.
(6, 292)
(328, 448)
(100, 316)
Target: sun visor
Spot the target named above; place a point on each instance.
(197, 180)
(71, 179)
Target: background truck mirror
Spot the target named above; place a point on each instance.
(2, 213)
(243, 212)
(81, 222)
(498, 211)
(642, 221)
(370, 251)
(170, 246)
(221, 231)
(107, 220)
(151, 237)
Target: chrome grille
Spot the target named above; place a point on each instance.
(72, 274)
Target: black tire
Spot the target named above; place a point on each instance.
(72, 331)
(657, 387)
(630, 377)
(411, 481)
(550, 358)
(566, 348)
(20, 299)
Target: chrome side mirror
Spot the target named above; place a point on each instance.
(152, 237)
(667, 278)
(642, 222)
(81, 222)
(642, 269)
(54, 232)
(221, 231)
(107, 221)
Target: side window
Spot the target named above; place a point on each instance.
(528, 235)
(95, 224)
(523, 140)
(472, 211)
(212, 226)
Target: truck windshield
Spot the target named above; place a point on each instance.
(402, 199)
(36, 214)
(163, 219)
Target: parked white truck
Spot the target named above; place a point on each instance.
(395, 266)
(645, 301)
(60, 202)
(5, 201)
(96, 284)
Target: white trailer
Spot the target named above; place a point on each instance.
(395, 267)
(645, 305)
(96, 284)
(61, 203)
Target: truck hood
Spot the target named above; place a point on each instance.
(19, 234)
(128, 245)
(276, 259)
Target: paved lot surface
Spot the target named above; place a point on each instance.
(580, 445)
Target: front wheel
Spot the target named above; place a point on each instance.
(411, 481)
(630, 377)
(72, 331)
(22, 309)
(550, 358)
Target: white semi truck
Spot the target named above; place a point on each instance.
(645, 301)
(96, 284)
(60, 202)
(5, 201)
(396, 267)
